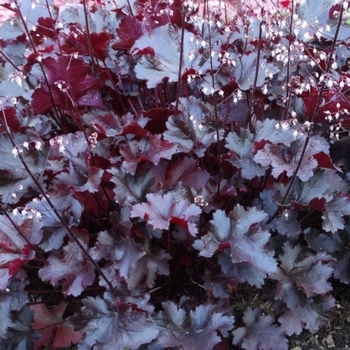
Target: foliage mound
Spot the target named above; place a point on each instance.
(158, 158)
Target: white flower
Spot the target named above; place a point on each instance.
(37, 145)
(15, 152)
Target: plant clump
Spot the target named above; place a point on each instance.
(157, 158)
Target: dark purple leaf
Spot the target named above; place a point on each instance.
(52, 327)
(122, 256)
(187, 172)
(247, 240)
(162, 63)
(336, 244)
(81, 182)
(180, 132)
(244, 272)
(113, 125)
(146, 269)
(69, 83)
(287, 224)
(139, 268)
(20, 335)
(312, 316)
(15, 243)
(220, 283)
(152, 149)
(79, 43)
(72, 269)
(329, 243)
(301, 271)
(129, 30)
(242, 146)
(161, 211)
(284, 156)
(245, 72)
(111, 324)
(14, 179)
(193, 329)
(130, 188)
(192, 130)
(11, 299)
(260, 332)
(53, 232)
(335, 211)
(320, 185)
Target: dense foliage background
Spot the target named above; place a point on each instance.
(158, 159)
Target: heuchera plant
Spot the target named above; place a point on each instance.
(159, 157)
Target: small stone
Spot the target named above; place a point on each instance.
(329, 341)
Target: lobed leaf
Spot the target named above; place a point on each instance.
(260, 332)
